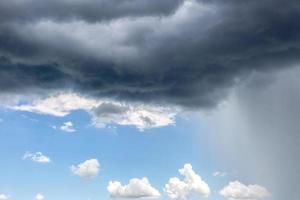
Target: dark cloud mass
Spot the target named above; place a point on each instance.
(177, 52)
(89, 10)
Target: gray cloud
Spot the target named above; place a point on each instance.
(186, 53)
(90, 10)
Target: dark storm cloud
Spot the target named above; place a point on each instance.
(163, 52)
(89, 10)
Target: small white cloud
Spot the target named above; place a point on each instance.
(4, 197)
(37, 157)
(219, 174)
(88, 169)
(192, 184)
(136, 188)
(237, 191)
(39, 197)
(67, 127)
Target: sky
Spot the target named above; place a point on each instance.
(137, 99)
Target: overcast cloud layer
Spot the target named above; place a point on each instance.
(176, 52)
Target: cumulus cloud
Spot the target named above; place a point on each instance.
(183, 189)
(182, 52)
(37, 157)
(103, 112)
(39, 197)
(88, 169)
(4, 197)
(67, 127)
(136, 188)
(238, 191)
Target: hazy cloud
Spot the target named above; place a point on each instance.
(237, 191)
(4, 197)
(39, 197)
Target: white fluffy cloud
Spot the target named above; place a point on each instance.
(37, 157)
(238, 191)
(4, 197)
(103, 112)
(192, 184)
(88, 169)
(67, 127)
(136, 188)
(39, 197)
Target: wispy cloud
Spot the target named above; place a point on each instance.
(37, 157)
(219, 174)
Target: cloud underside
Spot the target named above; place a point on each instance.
(182, 52)
(103, 112)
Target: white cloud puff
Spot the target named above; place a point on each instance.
(192, 184)
(238, 191)
(37, 157)
(4, 197)
(88, 169)
(39, 197)
(136, 188)
(103, 112)
(67, 127)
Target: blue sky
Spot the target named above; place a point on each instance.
(124, 153)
